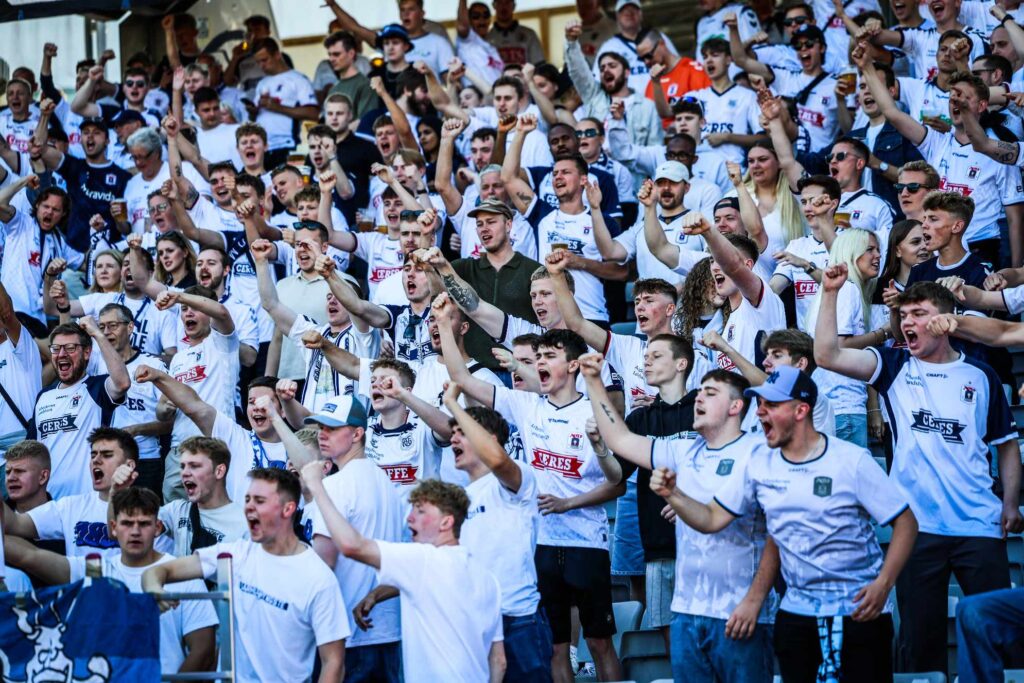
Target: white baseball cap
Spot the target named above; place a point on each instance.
(672, 170)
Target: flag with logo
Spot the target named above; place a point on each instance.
(93, 631)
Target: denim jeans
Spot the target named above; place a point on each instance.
(985, 625)
(702, 653)
(853, 428)
(381, 663)
(627, 551)
(527, 648)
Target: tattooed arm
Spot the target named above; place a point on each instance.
(617, 436)
(1004, 152)
(489, 317)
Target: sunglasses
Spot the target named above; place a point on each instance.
(913, 188)
(479, 15)
(795, 21)
(135, 84)
(647, 56)
(588, 133)
(804, 44)
(838, 156)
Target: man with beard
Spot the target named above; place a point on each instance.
(629, 22)
(137, 415)
(598, 95)
(93, 182)
(67, 411)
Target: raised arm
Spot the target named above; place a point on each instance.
(708, 519)
(657, 243)
(489, 317)
(749, 215)
(299, 454)
(793, 169)
(82, 103)
(987, 331)
(429, 414)
(370, 313)
(53, 569)
(576, 64)
(282, 315)
(220, 317)
(997, 150)
(349, 23)
(8, 193)
(349, 542)
(624, 443)
(519, 190)
(181, 395)
(740, 56)
(905, 125)
(477, 389)
(490, 452)
(406, 137)
(973, 297)
(51, 156)
(594, 336)
(9, 322)
(609, 248)
(828, 353)
(451, 197)
(118, 380)
(545, 105)
(727, 256)
(753, 374)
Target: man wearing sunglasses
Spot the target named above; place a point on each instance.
(795, 16)
(629, 19)
(916, 179)
(69, 410)
(134, 89)
(590, 136)
(812, 87)
(676, 75)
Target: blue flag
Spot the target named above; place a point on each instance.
(99, 633)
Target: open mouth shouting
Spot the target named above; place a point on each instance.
(97, 477)
(191, 488)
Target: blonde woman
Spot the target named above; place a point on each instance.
(106, 272)
(859, 250)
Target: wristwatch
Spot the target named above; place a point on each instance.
(883, 166)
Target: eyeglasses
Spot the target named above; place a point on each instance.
(103, 327)
(411, 327)
(409, 215)
(161, 207)
(679, 156)
(804, 44)
(838, 156)
(135, 84)
(913, 188)
(473, 16)
(69, 349)
(796, 21)
(588, 133)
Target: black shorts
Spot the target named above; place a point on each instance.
(580, 577)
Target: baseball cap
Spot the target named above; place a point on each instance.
(786, 383)
(491, 205)
(622, 4)
(672, 170)
(340, 411)
(808, 32)
(393, 31)
(727, 203)
(97, 121)
(128, 116)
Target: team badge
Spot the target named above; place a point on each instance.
(972, 172)
(967, 393)
(575, 441)
(407, 441)
(75, 400)
(725, 467)
(823, 487)
(111, 179)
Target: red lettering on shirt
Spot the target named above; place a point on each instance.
(193, 374)
(566, 465)
(725, 362)
(381, 274)
(806, 288)
(947, 186)
(35, 258)
(401, 474)
(811, 117)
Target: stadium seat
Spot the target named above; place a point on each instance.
(643, 642)
(624, 328)
(627, 618)
(1014, 676)
(930, 677)
(647, 668)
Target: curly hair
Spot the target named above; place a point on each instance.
(450, 499)
(697, 300)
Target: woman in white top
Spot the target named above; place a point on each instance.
(779, 209)
(859, 251)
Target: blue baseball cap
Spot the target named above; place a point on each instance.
(393, 31)
(786, 383)
(340, 411)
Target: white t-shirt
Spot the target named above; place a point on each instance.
(961, 169)
(17, 134)
(248, 452)
(713, 571)
(648, 265)
(63, 420)
(748, 324)
(868, 211)
(322, 381)
(944, 418)
(848, 396)
(921, 46)
(433, 49)
(734, 110)
(564, 462)
(625, 352)
(818, 112)
(175, 624)
(291, 89)
(479, 55)
(138, 189)
(577, 232)
(365, 497)
(383, 257)
(805, 287)
(226, 523)
(21, 377)
(211, 368)
(154, 331)
(501, 531)
(139, 405)
(408, 454)
(818, 513)
(712, 24)
(80, 520)
(451, 610)
(285, 606)
(218, 144)
(26, 252)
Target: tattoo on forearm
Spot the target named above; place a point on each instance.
(177, 170)
(467, 298)
(1007, 152)
(608, 412)
(192, 197)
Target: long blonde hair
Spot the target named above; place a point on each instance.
(849, 246)
(118, 257)
(794, 225)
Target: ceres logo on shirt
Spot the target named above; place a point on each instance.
(566, 465)
(951, 431)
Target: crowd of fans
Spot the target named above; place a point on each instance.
(396, 333)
